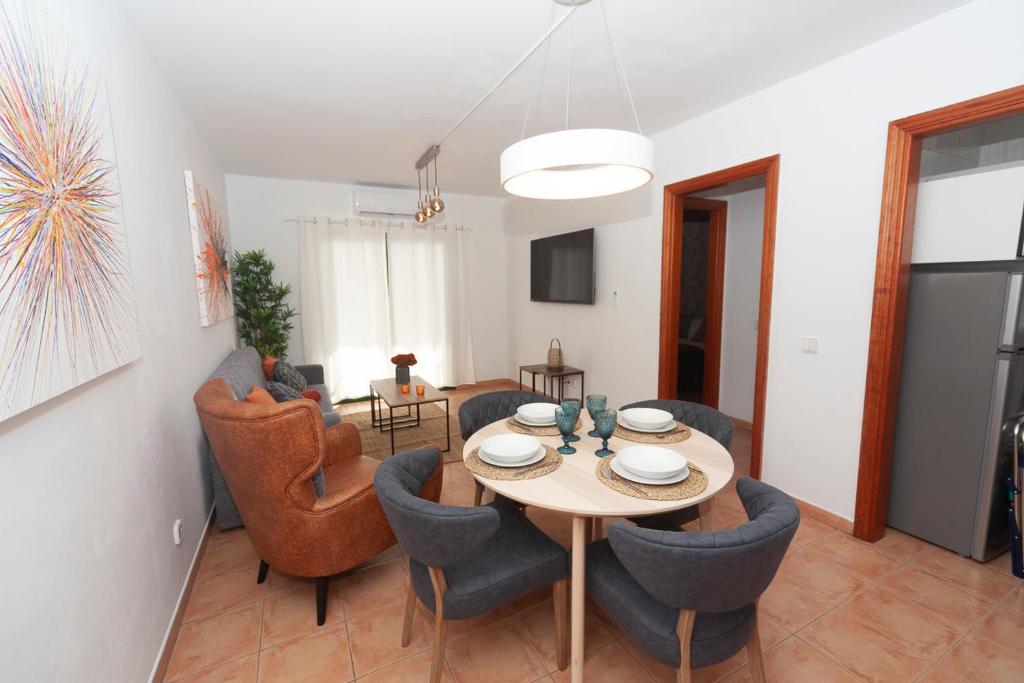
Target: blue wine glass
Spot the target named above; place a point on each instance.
(595, 404)
(573, 404)
(566, 421)
(604, 425)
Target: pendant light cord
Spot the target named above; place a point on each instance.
(538, 84)
(618, 63)
(568, 75)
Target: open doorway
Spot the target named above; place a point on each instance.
(704, 327)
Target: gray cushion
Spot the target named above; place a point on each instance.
(285, 373)
(325, 397)
(241, 370)
(478, 412)
(282, 392)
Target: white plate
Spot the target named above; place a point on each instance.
(651, 462)
(646, 418)
(626, 474)
(528, 423)
(536, 457)
(510, 448)
(537, 413)
(666, 428)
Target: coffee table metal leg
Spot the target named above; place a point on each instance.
(579, 570)
(447, 426)
(391, 417)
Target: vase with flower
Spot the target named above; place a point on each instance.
(403, 362)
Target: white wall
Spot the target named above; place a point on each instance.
(744, 231)
(259, 207)
(974, 216)
(91, 481)
(829, 125)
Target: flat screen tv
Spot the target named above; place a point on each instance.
(562, 268)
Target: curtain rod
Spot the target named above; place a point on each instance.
(381, 223)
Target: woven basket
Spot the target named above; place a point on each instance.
(555, 361)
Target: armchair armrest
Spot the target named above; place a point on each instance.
(314, 374)
(342, 443)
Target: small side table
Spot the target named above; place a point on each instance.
(556, 376)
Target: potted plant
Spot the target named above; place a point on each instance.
(262, 315)
(402, 363)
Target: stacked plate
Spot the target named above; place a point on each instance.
(511, 450)
(650, 465)
(650, 420)
(536, 414)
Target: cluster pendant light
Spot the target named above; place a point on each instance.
(428, 205)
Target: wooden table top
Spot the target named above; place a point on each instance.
(574, 487)
(543, 369)
(392, 394)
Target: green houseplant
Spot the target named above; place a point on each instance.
(262, 315)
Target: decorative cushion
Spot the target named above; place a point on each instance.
(268, 366)
(259, 395)
(283, 392)
(312, 394)
(286, 373)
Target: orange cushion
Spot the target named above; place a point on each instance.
(268, 366)
(311, 394)
(260, 395)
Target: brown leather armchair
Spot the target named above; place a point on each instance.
(269, 454)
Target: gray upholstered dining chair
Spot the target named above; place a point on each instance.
(714, 423)
(689, 599)
(464, 561)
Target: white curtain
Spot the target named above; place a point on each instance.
(369, 292)
(344, 302)
(429, 307)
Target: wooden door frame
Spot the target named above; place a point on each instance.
(717, 215)
(892, 284)
(671, 266)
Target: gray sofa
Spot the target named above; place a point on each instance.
(242, 369)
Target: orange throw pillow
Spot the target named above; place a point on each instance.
(268, 366)
(311, 394)
(260, 395)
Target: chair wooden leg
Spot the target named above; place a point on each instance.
(561, 602)
(440, 625)
(754, 653)
(321, 600)
(261, 576)
(478, 494)
(684, 631)
(410, 609)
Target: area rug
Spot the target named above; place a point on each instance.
(377, 444)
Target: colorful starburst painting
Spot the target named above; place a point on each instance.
(67, 308)
(210, 253)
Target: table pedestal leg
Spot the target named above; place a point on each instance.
(578, 609)
(707, 515)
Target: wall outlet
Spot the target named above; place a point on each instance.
(177, 531)
(809, 345)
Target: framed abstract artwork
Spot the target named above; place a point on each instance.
(210, 253)
(67, 305)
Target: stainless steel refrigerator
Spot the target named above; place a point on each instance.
(961, 391)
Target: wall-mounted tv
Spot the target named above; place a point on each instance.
(562, 268)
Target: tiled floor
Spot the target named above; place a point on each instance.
(839, 610)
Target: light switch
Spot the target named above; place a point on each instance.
(615, 297)
(809, 345)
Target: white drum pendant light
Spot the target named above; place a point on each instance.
(579, 163)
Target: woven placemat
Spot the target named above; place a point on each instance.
(679, 433)
(515, 425)
(546, 465)
(693, 485)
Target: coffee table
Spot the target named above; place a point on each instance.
(388, 391)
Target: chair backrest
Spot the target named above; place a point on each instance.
(712, 571)
(715, 424)
(431, 533)
(480, 411)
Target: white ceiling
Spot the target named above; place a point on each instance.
(337, 90)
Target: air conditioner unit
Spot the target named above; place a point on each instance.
(398, 204)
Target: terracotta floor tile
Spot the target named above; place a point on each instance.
(322, 657)
(376, 637)
(1004, 625)
(207, 642)
(728, 497)
(981, 660)
(655, 669)
(951, 605)
(899, 545)
(279, 582)
(608, 664)
(236, 671)
(292, 614)
(794, 661)
(809, 530)
(415, 668)
(905, 621)
(854, 555)
(232, 553)
(1015, 600)
(367, 589)
(939, 675)
(821, 574)
(791, 604)
(968, 574)
(537, 626)
(725, 517)
(494, 654)
(863, 649)
(524, 602)
(214, 593)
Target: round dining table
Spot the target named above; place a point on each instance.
(574, 489)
